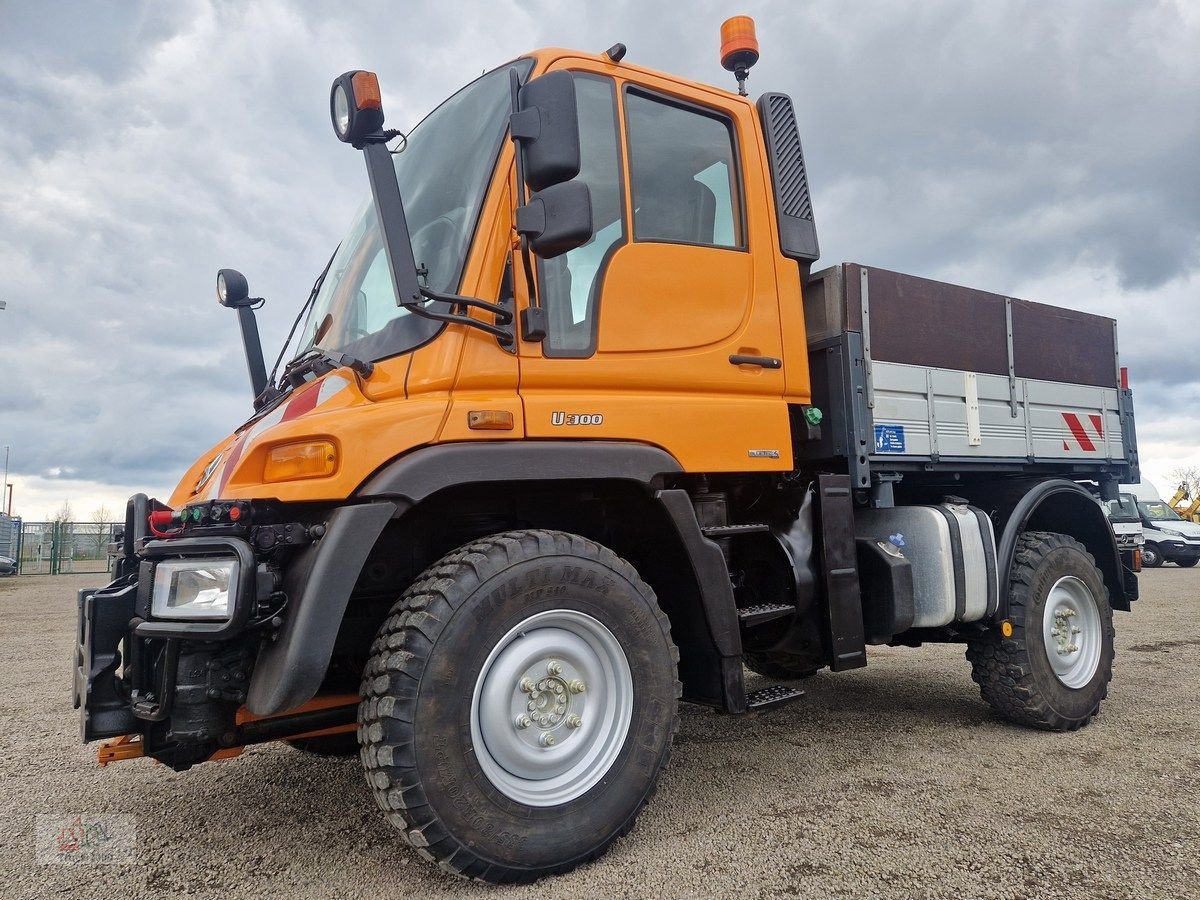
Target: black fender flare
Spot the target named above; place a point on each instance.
(1063, 506)
(411, 478)
(289, 671)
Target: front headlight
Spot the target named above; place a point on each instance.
(194, 588)
(1171, 531)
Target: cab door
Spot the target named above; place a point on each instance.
(664, 328)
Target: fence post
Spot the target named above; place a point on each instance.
(54, 541)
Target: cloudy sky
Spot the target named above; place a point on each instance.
(1042, 150)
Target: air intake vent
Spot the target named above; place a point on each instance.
(797, 230)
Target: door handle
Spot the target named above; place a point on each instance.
(764, 362)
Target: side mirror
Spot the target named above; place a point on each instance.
(557, 219)
(546, 127)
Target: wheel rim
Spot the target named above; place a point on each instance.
(552, 707)
(1071, 631)
(1149, 556)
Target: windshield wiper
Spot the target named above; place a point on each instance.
(312, 296)
(317, 362)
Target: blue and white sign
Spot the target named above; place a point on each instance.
(889, 438)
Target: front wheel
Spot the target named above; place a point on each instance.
(519, 705)
(1151, 557)
(1054, 669)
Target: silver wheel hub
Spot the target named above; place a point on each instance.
(1072, 632)
(552, 707)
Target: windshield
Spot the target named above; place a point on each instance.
(1157, 511)
(1124, 509)
(443, 173)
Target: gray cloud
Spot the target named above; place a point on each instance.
(1042, 150)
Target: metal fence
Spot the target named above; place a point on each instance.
(64, 548)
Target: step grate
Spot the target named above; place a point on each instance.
(733, 530)
(764, 612)
(774, 695)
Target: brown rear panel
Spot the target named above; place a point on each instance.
(931, 323)
(1055, 344)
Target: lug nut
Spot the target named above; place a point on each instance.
(574, 721)
(554, 667)
(527, 686)
(576, 686)
(546, 740)
(523, 721)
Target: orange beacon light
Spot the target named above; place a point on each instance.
(739, 48)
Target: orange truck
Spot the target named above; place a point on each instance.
(573, 431)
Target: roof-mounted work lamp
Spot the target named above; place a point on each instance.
(356, 106)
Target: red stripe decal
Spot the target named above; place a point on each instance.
(1098, 424)
(303, 402)
(1076, 427)
(234, 455)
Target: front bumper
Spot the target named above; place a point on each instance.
(1176, 550)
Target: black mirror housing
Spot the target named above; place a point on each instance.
(557, 219)
(546, 125)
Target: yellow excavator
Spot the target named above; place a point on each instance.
(1189, 512)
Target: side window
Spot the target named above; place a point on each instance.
(682, 174)
(570, 284)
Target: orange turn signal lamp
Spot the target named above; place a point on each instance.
(300, 459)
(490, 420)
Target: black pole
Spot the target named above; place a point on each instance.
(253, 347)
(389, 207)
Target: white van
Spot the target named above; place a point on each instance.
(1169, 538)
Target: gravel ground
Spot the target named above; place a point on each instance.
(893, 781)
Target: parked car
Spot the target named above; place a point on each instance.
(1169, 537)
(8, 565)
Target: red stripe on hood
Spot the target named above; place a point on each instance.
(304, 401)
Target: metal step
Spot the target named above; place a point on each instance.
(774, 695)
(764, 612)
(733, 530)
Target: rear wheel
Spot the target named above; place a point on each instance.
(1151, 557)
(1054, 670)
(519, 705)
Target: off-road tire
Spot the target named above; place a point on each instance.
(1152, 557)
(1186, 563)
(785, 666)
(1014, 673)
(415, 728)
(327, 745)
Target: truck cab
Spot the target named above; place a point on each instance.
(1125, 518)
(571, 432)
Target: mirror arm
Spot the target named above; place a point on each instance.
(533, 317)
(503, 316)
(503, 335)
